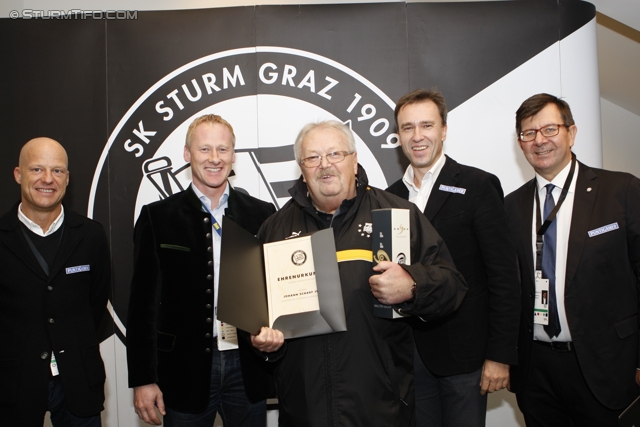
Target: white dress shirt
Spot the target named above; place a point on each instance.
(35, 228)
(420, 196)
(563, 219)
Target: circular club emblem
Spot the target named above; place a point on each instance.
(299, 257)
(267, 94)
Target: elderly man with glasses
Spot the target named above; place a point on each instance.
(361, 377)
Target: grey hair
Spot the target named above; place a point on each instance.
(327, 124)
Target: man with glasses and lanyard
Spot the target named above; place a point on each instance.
(576, 231)
(179, 362)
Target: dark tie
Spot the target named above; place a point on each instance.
(549, 264)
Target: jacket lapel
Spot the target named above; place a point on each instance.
(526, 206)
(448, 176)
(583, 203)
(232, 212)
(15, 241)
(71, 236)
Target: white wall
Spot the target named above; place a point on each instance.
(620, 138)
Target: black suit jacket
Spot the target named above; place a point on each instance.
(170, 317)
(59, 312)
(473, 225)
(601, 284)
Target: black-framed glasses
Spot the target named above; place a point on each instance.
(546, 131)
(333, 157)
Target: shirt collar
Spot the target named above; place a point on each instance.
(35, 228)
(559, 179)
(203, 198)
(433, 173)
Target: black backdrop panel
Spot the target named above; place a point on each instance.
(140, 53)
(464, 47)
(76, 80)
(53, 83)
(369, 39)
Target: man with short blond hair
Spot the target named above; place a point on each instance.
(176, 360)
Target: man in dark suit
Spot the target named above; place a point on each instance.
(577, 361)
(178, 353)
(54, 281)
(466, 354)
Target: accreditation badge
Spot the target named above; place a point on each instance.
(227, 336)
(541, 302)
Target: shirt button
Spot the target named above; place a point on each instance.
(51, 320)
(44, 355)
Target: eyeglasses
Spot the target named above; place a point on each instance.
(547, 131)
(333, 157)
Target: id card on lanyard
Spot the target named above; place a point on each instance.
(541, 301)
(541, 304)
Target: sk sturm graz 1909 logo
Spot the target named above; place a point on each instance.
(267, 94)
(299, 257)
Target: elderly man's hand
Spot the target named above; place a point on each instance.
(393, 286)
(268, 340)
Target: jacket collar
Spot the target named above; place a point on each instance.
(583, 204)
(449, 176)
(10, 221)
(15, 240)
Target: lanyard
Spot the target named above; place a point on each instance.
(36, 252)
(216, 225)
(552, 215)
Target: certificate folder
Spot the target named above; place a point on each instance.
(250, 284)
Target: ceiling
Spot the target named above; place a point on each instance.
(618, 34)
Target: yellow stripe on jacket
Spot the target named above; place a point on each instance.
(355, 255)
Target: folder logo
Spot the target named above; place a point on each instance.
(299, 257)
